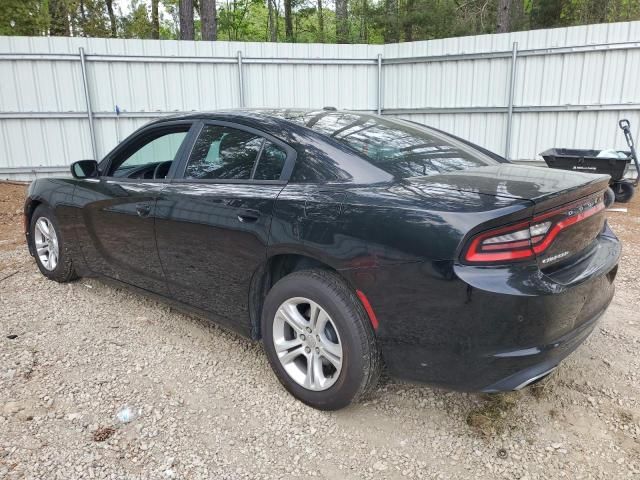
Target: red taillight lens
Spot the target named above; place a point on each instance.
(527, 239)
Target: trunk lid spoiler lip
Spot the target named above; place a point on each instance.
(545, 188)
(566, 196)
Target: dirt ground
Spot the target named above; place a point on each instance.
(204, 403)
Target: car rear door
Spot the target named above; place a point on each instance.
(117, 210)
(213, 219)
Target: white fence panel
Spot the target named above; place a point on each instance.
(571, 87)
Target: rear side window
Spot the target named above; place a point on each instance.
(271, 162)
(401, 149)
(225, 153)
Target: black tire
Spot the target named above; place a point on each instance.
(623, 191)
(63, 271)
(361, 358)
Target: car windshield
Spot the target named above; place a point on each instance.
(397, 147)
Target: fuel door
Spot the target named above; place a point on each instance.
(324, 205)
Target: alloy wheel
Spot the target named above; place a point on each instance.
(46, 242)
(307, 343)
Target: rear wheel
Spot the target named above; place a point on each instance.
(51, 251)
(623, 191)
(319, 340)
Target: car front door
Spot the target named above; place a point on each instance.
(213, 218)
(118, 209)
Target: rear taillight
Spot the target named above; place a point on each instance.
(526, 240)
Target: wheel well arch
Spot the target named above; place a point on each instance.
(268, 274)
(30, 206)
(31, 203)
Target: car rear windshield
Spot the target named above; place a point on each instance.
(398, 147)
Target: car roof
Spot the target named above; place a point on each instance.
(284, 117)
(299, 128)
(330, 160)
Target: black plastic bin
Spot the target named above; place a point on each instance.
(586, 161)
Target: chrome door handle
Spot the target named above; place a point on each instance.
(248, 216)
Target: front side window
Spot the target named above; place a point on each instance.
(151, 155)
(225, 153)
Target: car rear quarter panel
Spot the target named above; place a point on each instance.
(351, 227)
(440, 321)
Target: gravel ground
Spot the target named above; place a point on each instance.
(203, 403)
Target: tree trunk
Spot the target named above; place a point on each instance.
(504, 16)
(288, 21)
(364, 25)
(59, 26)
(208, 20)
(273, 21)
(408, 21)
(83, 19)
(186, 20)
(518, 17)
(112, 19)
(342, 22)
(391, 32)
(155, 20)
(320, 23)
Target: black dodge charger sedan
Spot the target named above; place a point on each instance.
(342, 240)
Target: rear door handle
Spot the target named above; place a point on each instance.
(248, 216)
(143, 209)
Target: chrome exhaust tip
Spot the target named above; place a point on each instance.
(534, 379)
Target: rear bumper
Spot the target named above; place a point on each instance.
(541, 360)
(490, 329)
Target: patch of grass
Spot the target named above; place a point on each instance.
(491, 417)
(542, 388)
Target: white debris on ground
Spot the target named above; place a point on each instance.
(102, 383)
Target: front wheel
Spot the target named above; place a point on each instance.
(51, 251)
(319, 340)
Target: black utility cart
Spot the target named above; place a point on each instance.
(610, 162)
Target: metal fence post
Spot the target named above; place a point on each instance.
(379, 84)
(512, 84)
(240, 80)
(87, 99)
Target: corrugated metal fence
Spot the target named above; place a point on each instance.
(63, 99)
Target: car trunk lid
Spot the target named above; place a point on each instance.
(545, 187)
(568, 204)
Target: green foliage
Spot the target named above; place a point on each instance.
(369, 21)
(88, 18)
(547, 13)
(237, 20)
(23, 17)
(137, 23)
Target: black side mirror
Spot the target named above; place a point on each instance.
(84, 169)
